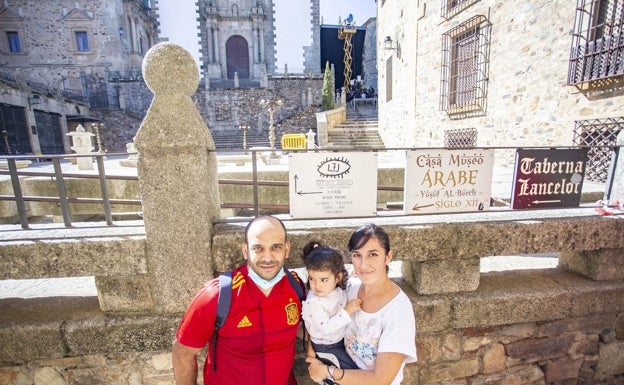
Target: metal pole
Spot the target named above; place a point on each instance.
(60, 186)
(104, 190)
(255, 183)
(17, 191)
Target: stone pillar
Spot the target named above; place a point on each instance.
(255, 43)
(177, 180)
(215, 44)
(209, 42)
(262, 58)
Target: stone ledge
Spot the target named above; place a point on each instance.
(75, 326)
(45, 328)
(73, 258)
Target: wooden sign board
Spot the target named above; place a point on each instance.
(440, 181)
(325, 185)
(549, 177)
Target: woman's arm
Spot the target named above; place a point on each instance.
(387, 365)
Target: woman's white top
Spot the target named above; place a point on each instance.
(325, 317)
(391, 329)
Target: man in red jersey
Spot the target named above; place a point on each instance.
(256, 345)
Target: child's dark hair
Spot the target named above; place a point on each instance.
(318, 257)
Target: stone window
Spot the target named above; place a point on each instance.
(451, 8)
(465, 66)
(15, 46)
(597, 50)
(82, 41)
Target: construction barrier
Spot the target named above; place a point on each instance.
(294, 141)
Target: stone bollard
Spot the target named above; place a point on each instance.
(82, 144)
(310, 142)
(177, 180)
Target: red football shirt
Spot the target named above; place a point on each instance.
(256, 345)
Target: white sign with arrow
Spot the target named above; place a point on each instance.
(324, 185)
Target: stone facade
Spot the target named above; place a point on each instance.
(117, 35)
(527, 99)
(239, 37)
(67, 57)
(223, 109)
(547, 326)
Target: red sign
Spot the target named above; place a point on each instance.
(546, 178)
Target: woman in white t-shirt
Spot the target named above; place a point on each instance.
(381, 337)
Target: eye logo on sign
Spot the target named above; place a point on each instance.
(334, 168)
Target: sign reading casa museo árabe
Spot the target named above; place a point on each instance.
(545, 178)
(438, 181)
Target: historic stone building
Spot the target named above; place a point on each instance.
(237, 38)
(58, 58)
(501, 73)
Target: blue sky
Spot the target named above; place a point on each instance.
(293, 30)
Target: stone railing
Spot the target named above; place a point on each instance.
(544, 326)
(326, 121)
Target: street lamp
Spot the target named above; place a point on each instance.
(245, 129)
(98, 138)
(272, 105)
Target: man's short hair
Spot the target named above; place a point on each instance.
(270, 217)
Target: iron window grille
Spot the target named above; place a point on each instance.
(451, 8)
(465, 67)
(460, 138)
(597, 50)
(601, 135)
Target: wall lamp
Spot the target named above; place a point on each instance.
(387, 45)
(34, 99)
(121, 31)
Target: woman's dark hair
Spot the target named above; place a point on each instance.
(364, 233)
(320, 258)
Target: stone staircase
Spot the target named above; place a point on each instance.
(358, 131)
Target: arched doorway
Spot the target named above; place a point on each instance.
(237, 53)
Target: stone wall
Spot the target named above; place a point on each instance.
(527, 101)
(523, 327)
(223, 110)
(546, 326)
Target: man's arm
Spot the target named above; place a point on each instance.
(184, 364)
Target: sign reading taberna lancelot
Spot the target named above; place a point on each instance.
(333, 184)
(441, 181)
(549, 177)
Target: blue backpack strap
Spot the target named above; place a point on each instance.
(296, 284)
(223, 308)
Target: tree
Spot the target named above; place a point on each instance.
(328, 89)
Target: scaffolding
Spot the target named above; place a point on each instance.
(345, 32)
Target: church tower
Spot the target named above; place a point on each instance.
(237, 37)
